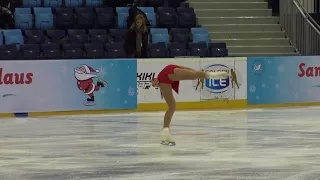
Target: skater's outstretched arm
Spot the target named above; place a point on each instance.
(155, 82)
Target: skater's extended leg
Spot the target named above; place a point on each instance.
(186, 74)
(189, 74)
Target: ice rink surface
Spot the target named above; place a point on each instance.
(260, 144)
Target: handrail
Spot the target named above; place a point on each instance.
(306, 14)
(300, 27)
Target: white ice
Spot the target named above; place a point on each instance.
(259, 144)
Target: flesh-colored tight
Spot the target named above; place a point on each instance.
(179, 74)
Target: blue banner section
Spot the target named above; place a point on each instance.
(276, 80)
(64, 85)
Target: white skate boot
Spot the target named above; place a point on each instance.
(166, 138)
(217, 75)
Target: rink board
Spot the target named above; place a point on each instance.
(232, 88)
(67, 85)
(253, 76)
(279, 80)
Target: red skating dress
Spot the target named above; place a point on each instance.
(164, 78)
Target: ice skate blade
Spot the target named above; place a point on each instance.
(87, 103)
(167, 143)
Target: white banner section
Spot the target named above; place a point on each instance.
(234, 87)
(150, 68)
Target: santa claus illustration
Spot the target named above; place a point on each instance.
(84, 75)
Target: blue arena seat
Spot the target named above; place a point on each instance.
(157, 50)
(23, 18)
(43, 18)
(55, 36)
(85, 18)
(34, 37)
(147, 9)
(31, 3)
(115, 50)
(105, 18)
(9, 52)
(73, 3)
(122, 10)
(158, 31)
(122, 20)
(1, 39)
(198, 49)
(123, 13)
(98, 36)
(51, 51)
(53, 3)
(117, 35)
(94, 3)
(64, 18)
(94, 50)
(30, 51)
(12, 32)
(167, 17)
(152, 19)
(72, 51)
(156, 38)
(13, 36)
(159, 35)
(199, 31)
(221, 45)
(181, 38)
(177, 49)
(201, 38)
(218, 52)
(186, 17)
(179, 31)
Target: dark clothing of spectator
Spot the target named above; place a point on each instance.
(173, 3)
(136, 42)
(6, 16)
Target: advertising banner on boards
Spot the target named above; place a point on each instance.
(66, 85)
(231, 88)
(234, 87)
(277, 80)
(150, 68)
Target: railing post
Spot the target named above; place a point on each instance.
(299, 26)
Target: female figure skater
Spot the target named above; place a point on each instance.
(167, 80)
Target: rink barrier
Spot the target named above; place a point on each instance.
(283, 80)
(212, 94)
(237, 104)
(67, 85)
(181, 106)
(267, 77)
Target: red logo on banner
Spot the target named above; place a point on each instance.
(15, 78)
(309, 71)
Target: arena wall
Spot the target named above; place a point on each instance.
(56, 87)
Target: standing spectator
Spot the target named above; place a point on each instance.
(136, 41)
(6, 17)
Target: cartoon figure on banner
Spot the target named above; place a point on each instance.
(200, 81)
(234, 79)
(212, 89)
(258, 67)
(85, 75)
